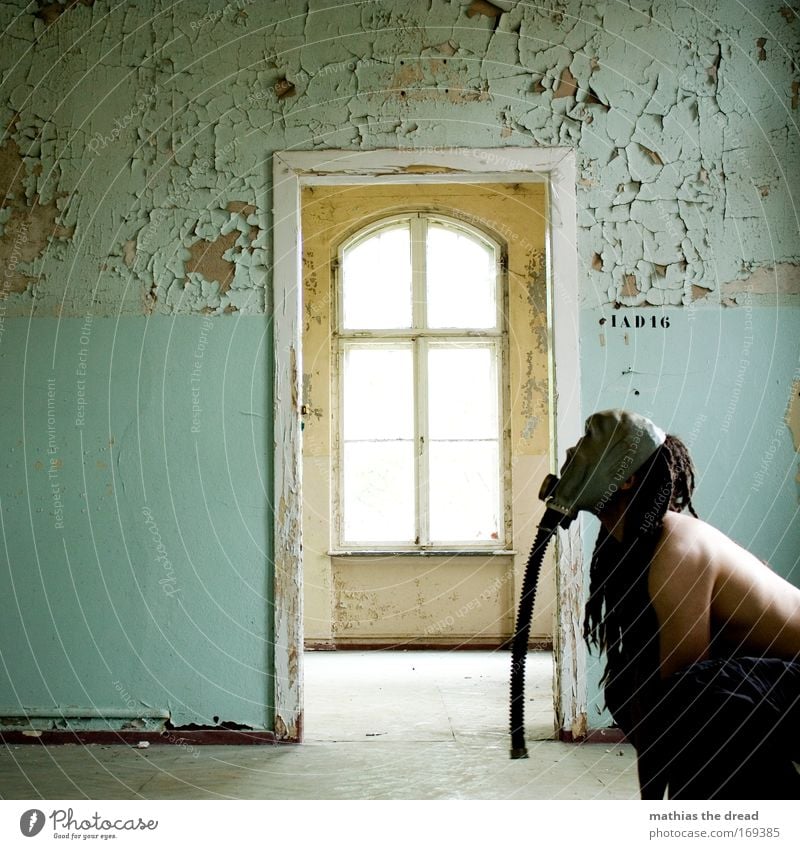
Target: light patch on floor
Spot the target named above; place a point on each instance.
(423, 696)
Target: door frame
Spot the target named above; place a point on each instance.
(292, 170)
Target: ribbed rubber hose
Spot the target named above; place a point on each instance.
(519, 646)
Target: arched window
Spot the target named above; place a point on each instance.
(420, 338)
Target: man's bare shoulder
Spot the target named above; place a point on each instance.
(687, 538)
(682, 554)
(691, 554)
(753, 608)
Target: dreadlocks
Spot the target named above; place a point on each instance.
(619, 619)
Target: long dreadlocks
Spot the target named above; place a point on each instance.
(619, 619)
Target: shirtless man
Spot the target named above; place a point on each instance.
(704, 587)
(702, 640)
(702, 584)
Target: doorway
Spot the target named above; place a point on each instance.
(452, 595)
(458, 173)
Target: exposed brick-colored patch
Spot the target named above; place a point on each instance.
(781, 279)
(240, 207)
(567, 85)
(593, 99)
(629, 289)
(207, 260)
(656, 159)
(31, 225)
(51, 12)
(483, 7)
(129, 252)
(284, 88)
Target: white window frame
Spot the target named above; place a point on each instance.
(421, 339)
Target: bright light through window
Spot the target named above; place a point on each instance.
(462, 280)
(377, 275)
(420, 401)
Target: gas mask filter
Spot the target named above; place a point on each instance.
(616, 444)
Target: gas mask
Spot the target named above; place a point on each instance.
(615, 446)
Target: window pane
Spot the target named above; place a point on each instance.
(461, 280)
(379, 492)
(463, 393)
(464, 492)
(376, 281)
(378, 398)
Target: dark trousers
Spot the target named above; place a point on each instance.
(724, 729)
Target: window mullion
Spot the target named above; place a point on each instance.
(421, 392)
(418, 236)
(418, 240)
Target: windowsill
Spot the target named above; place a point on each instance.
(428, 552)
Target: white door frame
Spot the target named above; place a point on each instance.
(293, 170)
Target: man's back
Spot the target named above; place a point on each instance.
(704, 587)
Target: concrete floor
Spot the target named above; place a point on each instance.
(379, 725)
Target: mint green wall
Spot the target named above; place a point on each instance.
(722, 381)
(135, 163)
(135, 569)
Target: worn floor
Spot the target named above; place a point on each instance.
(379, 725)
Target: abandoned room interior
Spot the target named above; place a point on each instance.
(301, 302)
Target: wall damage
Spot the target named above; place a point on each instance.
(684, 158)
(28, 224)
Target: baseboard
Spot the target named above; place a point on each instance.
(173, 737)
(594, 735)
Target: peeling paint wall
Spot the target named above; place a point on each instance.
(138, 138)
(134, 166)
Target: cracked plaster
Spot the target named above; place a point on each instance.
(133, 130)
